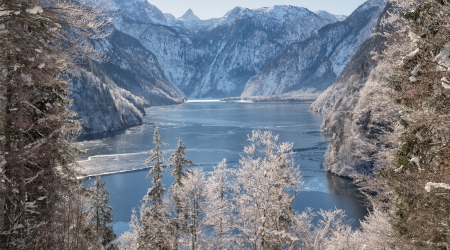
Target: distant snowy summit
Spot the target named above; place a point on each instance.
(330, 16)
(250, 52)
(189, 15)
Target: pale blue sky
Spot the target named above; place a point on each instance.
(206, 9)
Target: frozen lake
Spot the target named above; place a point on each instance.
(212, 131)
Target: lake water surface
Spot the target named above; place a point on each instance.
(212, 131)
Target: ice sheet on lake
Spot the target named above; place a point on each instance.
(107, 164)
(119, 163)
(202, 100)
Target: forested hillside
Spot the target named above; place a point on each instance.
(112, 94)
(388, 120)
(360, 112)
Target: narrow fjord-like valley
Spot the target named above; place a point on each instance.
(124, 127)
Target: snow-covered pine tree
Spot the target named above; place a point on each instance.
(154, 231)
(179, 163)
(101, 214)
(265, 186)
(129, 239)
(39, 40)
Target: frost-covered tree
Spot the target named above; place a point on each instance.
(129, 239)
(158, 158)
(72, 222)
(101, 214)
(265, 186)
(154, 215)
(193, 205)
(420, 58)
(219, 209)
(39, 40)
(179, 164)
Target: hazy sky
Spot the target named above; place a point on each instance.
(206, 9)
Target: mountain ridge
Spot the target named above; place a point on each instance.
(158, 60)
(215, 58)
(316, 62)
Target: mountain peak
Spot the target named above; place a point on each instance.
(189, 15)
(169, 16)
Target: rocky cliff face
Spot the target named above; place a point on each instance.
(112, 95)
(100, 104)
(135, 69)
(361, 116)
(215, 58)
(314, 64)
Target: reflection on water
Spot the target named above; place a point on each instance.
(341, 186)
(211, 132)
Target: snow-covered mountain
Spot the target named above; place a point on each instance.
(134, 68)
(315, 63)
(216, 57)
(189, 15)
(169, 16)
(341, 17)
(100, 104)
(112, 95)
(330, 16)
(327, 15)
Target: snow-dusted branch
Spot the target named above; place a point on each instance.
(431, 185)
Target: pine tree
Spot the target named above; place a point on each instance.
(39, 40)
(154, 215)
(179, 165)
(129, 239)
(101, 214)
